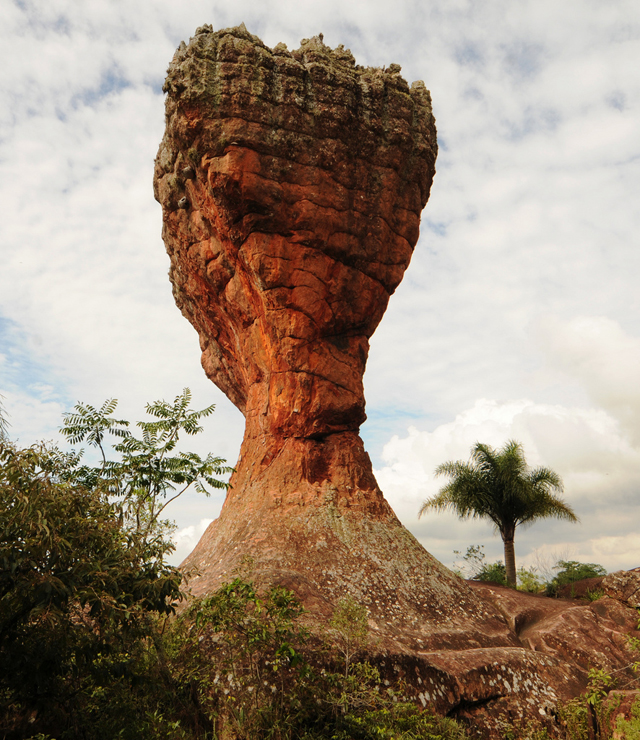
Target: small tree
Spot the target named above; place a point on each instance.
(349, 629)
(150, 474)
(498, 485)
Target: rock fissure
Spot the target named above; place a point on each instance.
(314, 375)
(351, 194)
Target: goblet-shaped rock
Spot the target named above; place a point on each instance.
(292, 185)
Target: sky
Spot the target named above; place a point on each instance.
(518, 318)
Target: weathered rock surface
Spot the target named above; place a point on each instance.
(623, 585)
(292, 185)
(584, 635)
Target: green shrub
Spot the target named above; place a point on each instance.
(629, 729)
(78, 595)
(493, 573)
(572, 571)
(594, 595)
(529, 581)
(398, 722)
(83, 577)
(591, 716)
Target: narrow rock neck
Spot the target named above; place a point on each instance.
(303, 404)
(281, 473)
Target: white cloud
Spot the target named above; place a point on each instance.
(185, 540)
(532, 215)
(32, 409)
(598, 353)
(587, 447)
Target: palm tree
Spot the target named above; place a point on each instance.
(498, 485)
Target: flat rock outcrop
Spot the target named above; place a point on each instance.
(577, 635)
(292, 184)
(583, 634)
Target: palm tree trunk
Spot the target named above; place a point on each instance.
(510, 560)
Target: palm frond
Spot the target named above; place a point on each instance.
(498, 485)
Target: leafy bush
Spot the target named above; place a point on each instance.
(237, 656)
(77, 592)
(629, 729)
(572, 571)
(401, 721)
(594, 595)
(493, 573)
(529, 581)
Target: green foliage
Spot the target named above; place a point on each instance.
(77, 592)
(599, 684)
(499, 486)
(149, 468)
(594, 595)
(572, 571)
(238, 655)
(493, 573)
(529, 581)
(521, 730)
(591, 716)
(629, 729)
(400, 721)
(472, 565)
(575, 718)
(349, 629)
(83, 578)
(582, 718)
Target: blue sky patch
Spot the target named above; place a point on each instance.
(112, 81)
(21, 368)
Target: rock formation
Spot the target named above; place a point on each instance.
(292, 185)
